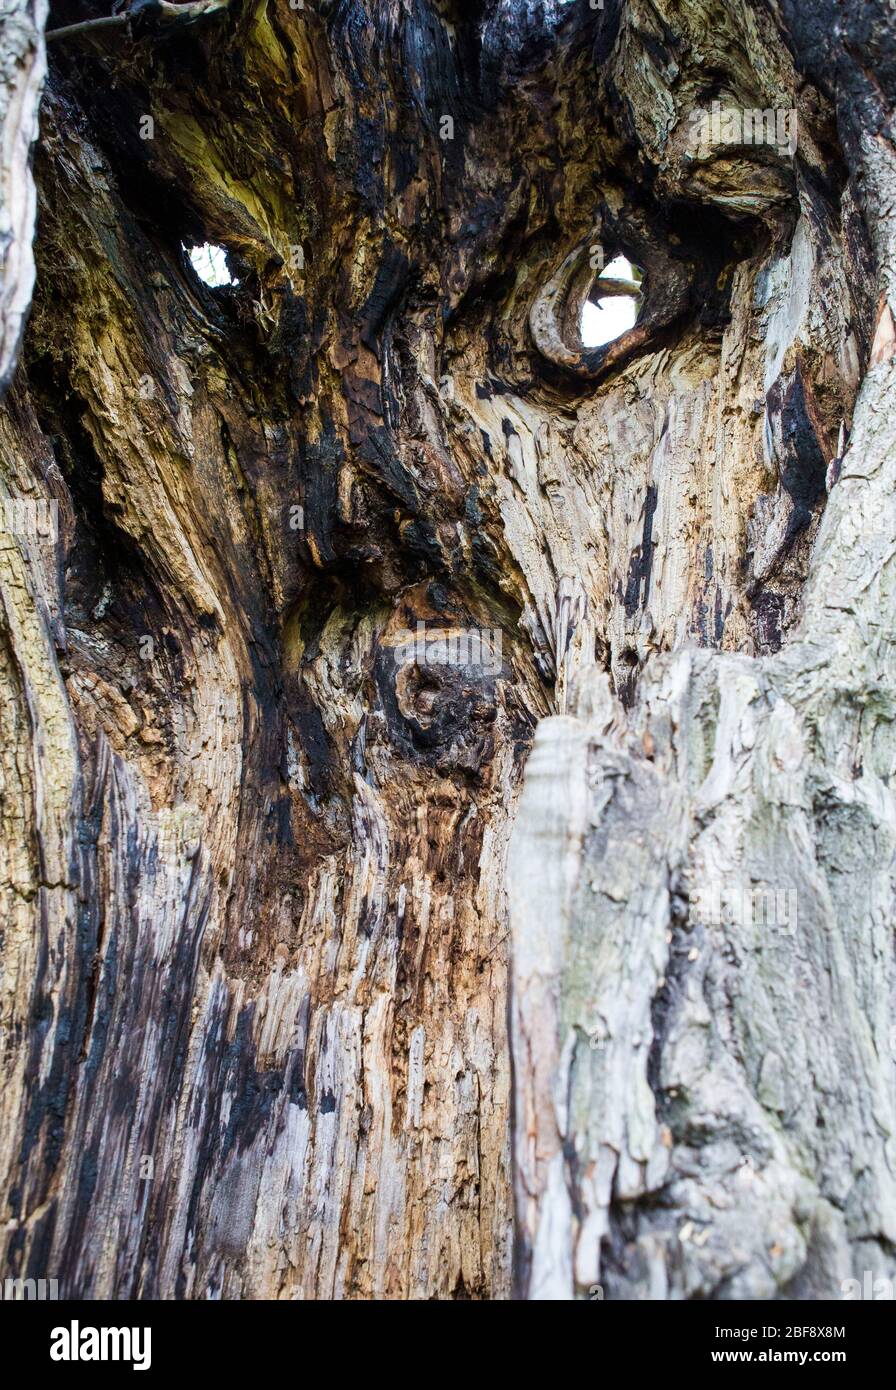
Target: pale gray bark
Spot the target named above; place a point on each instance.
(22, 70)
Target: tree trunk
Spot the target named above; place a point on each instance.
(293, 567)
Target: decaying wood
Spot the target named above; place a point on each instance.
(702, 901)
(255, 871)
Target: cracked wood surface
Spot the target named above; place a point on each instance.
(256, 936)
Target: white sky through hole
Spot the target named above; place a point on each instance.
(210, 264)
(604, 321)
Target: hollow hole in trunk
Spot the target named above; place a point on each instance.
(210, 264)
(606, 316)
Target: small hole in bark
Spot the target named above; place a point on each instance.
(608, 316)
(626, 674)
(210, 264)
(418, 694)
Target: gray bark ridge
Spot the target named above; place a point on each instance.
(22, 71)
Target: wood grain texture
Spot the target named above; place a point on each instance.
(256, 940)
(702, 903)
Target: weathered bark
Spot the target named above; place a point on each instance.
(255, 876)
(702, 889)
